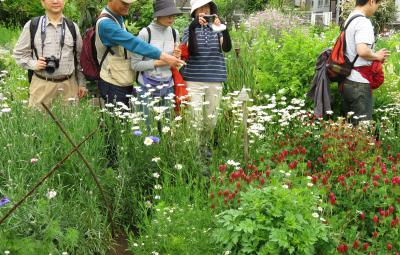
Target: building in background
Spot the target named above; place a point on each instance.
(326, 11)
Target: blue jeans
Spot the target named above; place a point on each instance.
(113, 94)
(164, 101)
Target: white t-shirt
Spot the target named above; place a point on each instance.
(359, 31)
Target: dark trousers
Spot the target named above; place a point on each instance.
(112, 93)
(357, 98)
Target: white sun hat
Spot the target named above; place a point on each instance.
(195, 4)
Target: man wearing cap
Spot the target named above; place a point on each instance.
(116, 73)
(155, 76)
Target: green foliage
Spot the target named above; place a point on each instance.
(255, 5)
(389, 92)
(286, 62)
(227, 8)
(181, 22)
(140, 15)
(8, 38)
(75, 219)
(173, 230)
(18, 12)
(272, 220)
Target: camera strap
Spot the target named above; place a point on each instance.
(43, 34)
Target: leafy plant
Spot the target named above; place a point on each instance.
(272, 220)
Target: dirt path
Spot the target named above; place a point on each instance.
(120, 247)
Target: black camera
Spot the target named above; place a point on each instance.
(52, 63)
(209, 18)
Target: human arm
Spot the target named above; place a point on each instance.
(364, 37)
(364, 51)
(225, 40)
(138, 63)
(111, 34)
(22, 52)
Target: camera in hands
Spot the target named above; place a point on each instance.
(52, 63)
(209, 18)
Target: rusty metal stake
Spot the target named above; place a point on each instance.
(51, 172)
(96, 179)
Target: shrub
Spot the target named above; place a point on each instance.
(272, 220)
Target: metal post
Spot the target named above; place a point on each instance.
(244, 97)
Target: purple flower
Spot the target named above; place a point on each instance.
(4, 201)
(137, 133)
(155, 139)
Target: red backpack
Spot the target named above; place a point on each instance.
(88, 59)
(338, 66)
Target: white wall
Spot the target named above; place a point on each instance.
(398, 9)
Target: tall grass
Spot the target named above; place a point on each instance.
(8, 37)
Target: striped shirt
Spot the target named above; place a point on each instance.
(209, 64)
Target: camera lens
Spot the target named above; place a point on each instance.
(51, 66)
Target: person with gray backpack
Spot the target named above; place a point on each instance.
(116, 75)
(154, 77)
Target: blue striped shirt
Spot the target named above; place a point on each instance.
(209, 64)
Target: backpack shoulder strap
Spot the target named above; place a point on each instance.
(106, 15)
(33, 27)
(174, 34)
(72, 29)
(148, 41)
(350, 20)
(108, 50)
(149, 33)
(344, 30)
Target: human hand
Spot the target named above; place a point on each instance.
(382, 54)
(40, 64)
(172, 60)
(158, 63)
(202, 21)
(82, 91)
(177, 52)
(217, 21)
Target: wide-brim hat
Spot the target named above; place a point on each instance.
(128, 1)
(164, 8)
(195, 4)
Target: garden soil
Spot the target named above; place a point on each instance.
(120, 246)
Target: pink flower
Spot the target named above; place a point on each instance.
(34, 160)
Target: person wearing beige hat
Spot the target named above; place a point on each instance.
(116, 75)
(155, 76)
(205, 71)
